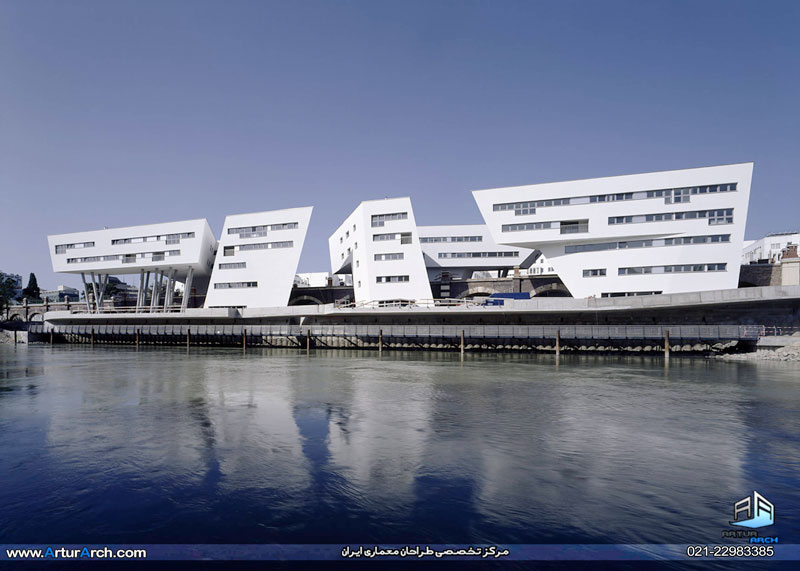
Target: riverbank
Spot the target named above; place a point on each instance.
(787, 353)
(7, 337)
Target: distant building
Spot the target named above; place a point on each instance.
(61, 293)
(321, 279)
(768, 250)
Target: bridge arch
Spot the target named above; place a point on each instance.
(36, 317)
(551, 290)
(306, 300)
(477, 291)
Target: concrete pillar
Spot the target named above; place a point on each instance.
(187, 289)
(94, 290)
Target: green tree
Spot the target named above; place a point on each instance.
(32, 291)
(7, 289)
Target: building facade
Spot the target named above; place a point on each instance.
(168, 253)
(458, 251)
(663, 232)
(378, 244)
(769, 249)
(257, 258)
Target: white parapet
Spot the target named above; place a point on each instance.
(379, 245)
(663, 232)
(257, 258)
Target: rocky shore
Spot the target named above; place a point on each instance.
(787, 353)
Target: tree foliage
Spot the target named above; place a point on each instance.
(32, 291)
(8, 288)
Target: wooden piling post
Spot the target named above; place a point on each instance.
(666, 343)
(92, 337)
(308, 341)
(51, 337)
(137, 337)
(244, 340)
(558, 342)
(188, 336)
(462, 341)
(15, 337)
(380, 341)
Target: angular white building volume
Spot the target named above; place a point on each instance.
(168, 253)
(461, 250)
(662, 232)
(379, 245)
(257, 258)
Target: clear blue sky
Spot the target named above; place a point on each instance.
(119, 113)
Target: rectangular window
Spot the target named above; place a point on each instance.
(380, 219)
(383, 237)
(387, 257)
(391, 279)
(438, 239)
(62, 248)
(235, 285)
(405, 238)
(232, 265)
(229, 250)
(673, 269)
(574, 226)
(595, 273)
(266, 245)
(526, 227)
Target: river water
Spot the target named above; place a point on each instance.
(114, 445)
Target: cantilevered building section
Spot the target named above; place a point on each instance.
(378, 244)
(161, 254)
(461, 250)
(257, 258)
(663, 232)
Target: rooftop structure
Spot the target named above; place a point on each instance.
(663, 232)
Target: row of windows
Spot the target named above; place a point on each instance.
(387, 257)
(62, 248)
(715, 217)
(654, 243)
(346, 234)
(600, 272)
(509, 254)
(628, 293)
(391, 279)
(168, 238)
(229, 250)
(126, 258)
(437, 239)
(232, 265)
(670, 195)
(527, 226)
(235, 285)
(566, 226)
(380, 219)
(405, 237)
(262, 230)
(680, 268)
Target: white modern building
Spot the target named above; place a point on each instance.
(379, 245)
(662, 232)
(257, 258)
(769, 248)
(61, 293)
(461, 250)
(169, 252)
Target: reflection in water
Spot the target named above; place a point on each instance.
(115, 445)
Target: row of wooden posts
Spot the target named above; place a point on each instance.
(380, 340)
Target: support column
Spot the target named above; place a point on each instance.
(103, 283)
(86, 292)
(94, 290)
(462, 341)
(666, 343)
(144, 291)
(558, 342)
(141, 289)
(170, 295)
(187, 289)
(156, 291)
(380, 341)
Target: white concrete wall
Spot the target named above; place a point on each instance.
(570, 266)
(272, 269)
(768, 248)
(353, 249)
(469, 240)
(196, 252)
